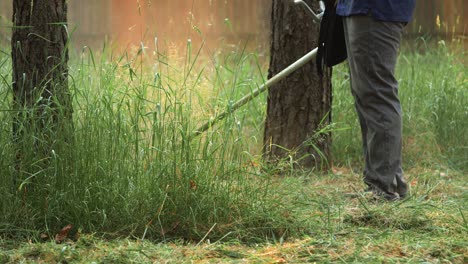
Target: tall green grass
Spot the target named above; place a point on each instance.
(132, 170)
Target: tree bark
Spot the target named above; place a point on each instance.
(41, 98)
(299, 106)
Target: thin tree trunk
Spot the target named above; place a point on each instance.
(299, 106)
(41, 98)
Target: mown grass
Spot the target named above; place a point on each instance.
(133, 173)
(430, 227)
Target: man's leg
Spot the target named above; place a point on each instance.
(372, 53)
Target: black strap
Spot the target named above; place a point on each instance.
(331, 41)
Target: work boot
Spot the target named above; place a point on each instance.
(378, 194)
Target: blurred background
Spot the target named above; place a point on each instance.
(217, 23)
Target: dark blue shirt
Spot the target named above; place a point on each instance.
(385, 10)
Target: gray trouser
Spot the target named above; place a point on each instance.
(372, 54)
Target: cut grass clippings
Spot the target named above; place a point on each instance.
(429, 227)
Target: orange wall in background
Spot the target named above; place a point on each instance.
(220, 23)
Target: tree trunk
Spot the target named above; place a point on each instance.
(41, 98)
(299, 106)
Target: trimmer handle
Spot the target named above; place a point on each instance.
(316, 16)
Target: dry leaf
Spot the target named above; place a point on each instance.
(193, 185)
(63, 234)
(337, 171)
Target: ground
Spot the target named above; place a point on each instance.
(429, 227)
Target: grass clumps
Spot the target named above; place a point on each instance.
(334, 227)
(132, 169)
